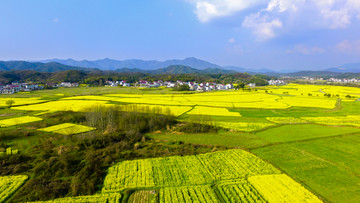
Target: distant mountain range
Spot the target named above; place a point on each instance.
(36, 66)
(57, 67)
(111, 64)
(176, 69)
(346, 68)
(188, 65)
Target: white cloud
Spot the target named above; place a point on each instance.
(290, 14)
(207, 10)
(263, 26)
(231, 40)
(302, 49)
(284, 5)
(350, 47)
(55, 20)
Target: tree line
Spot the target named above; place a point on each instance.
(98, 78)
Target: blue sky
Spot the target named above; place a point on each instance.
(275, 34)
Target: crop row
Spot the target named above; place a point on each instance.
(281, 188)
(185, 171)
(286, 120)
(213, 111)
(188, 194)
(239, 192)
(9, 184)
(241, 126)
(101, 198)
(353, 120)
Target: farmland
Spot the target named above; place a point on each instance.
(9, 185)
(221, 146)
(67, 129)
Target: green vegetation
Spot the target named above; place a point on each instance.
(288, 133)
(63, 165)
(222, 138)
(328, 166)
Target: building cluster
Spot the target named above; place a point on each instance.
(26, 87)
(117, 83)
(18, 87)
(276, 82)
(193, 86)
(68, 84)
(352, 80)
(312, 79)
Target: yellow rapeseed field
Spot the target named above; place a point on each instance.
(18, 121)
(160, 109)
(202, 110)
(62, 105)
(320, 102)
(242, 126)
(281, 188)
(67, 129)
(353, 120)
(20, 101)
(9, 185)
(286, 120)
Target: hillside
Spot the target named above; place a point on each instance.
(36, 66)
(111, 64)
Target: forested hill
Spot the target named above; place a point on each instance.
(36, 66)
(56, 67)
(176, 69)
(97, 77)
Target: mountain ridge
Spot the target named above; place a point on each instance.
(112, 64)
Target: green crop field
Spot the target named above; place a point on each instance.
(110, 144)
(329, 166)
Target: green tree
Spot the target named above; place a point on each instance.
(10, 102)
(242, 86)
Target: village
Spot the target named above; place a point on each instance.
(191, 86)
(26, 87)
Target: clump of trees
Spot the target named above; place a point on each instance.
(10, 103)
(98, 77)
(183, 87)
(73, 165)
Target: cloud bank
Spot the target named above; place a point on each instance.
(269, 16)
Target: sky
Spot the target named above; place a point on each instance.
(273, 34)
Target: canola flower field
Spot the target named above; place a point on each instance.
(273, 188)
(241, 191)
(185, 171)
(18, 121)
(67, 129)
(9, 185)
(226, 176)
(214, 104)
(237, 175)
(106, 198)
